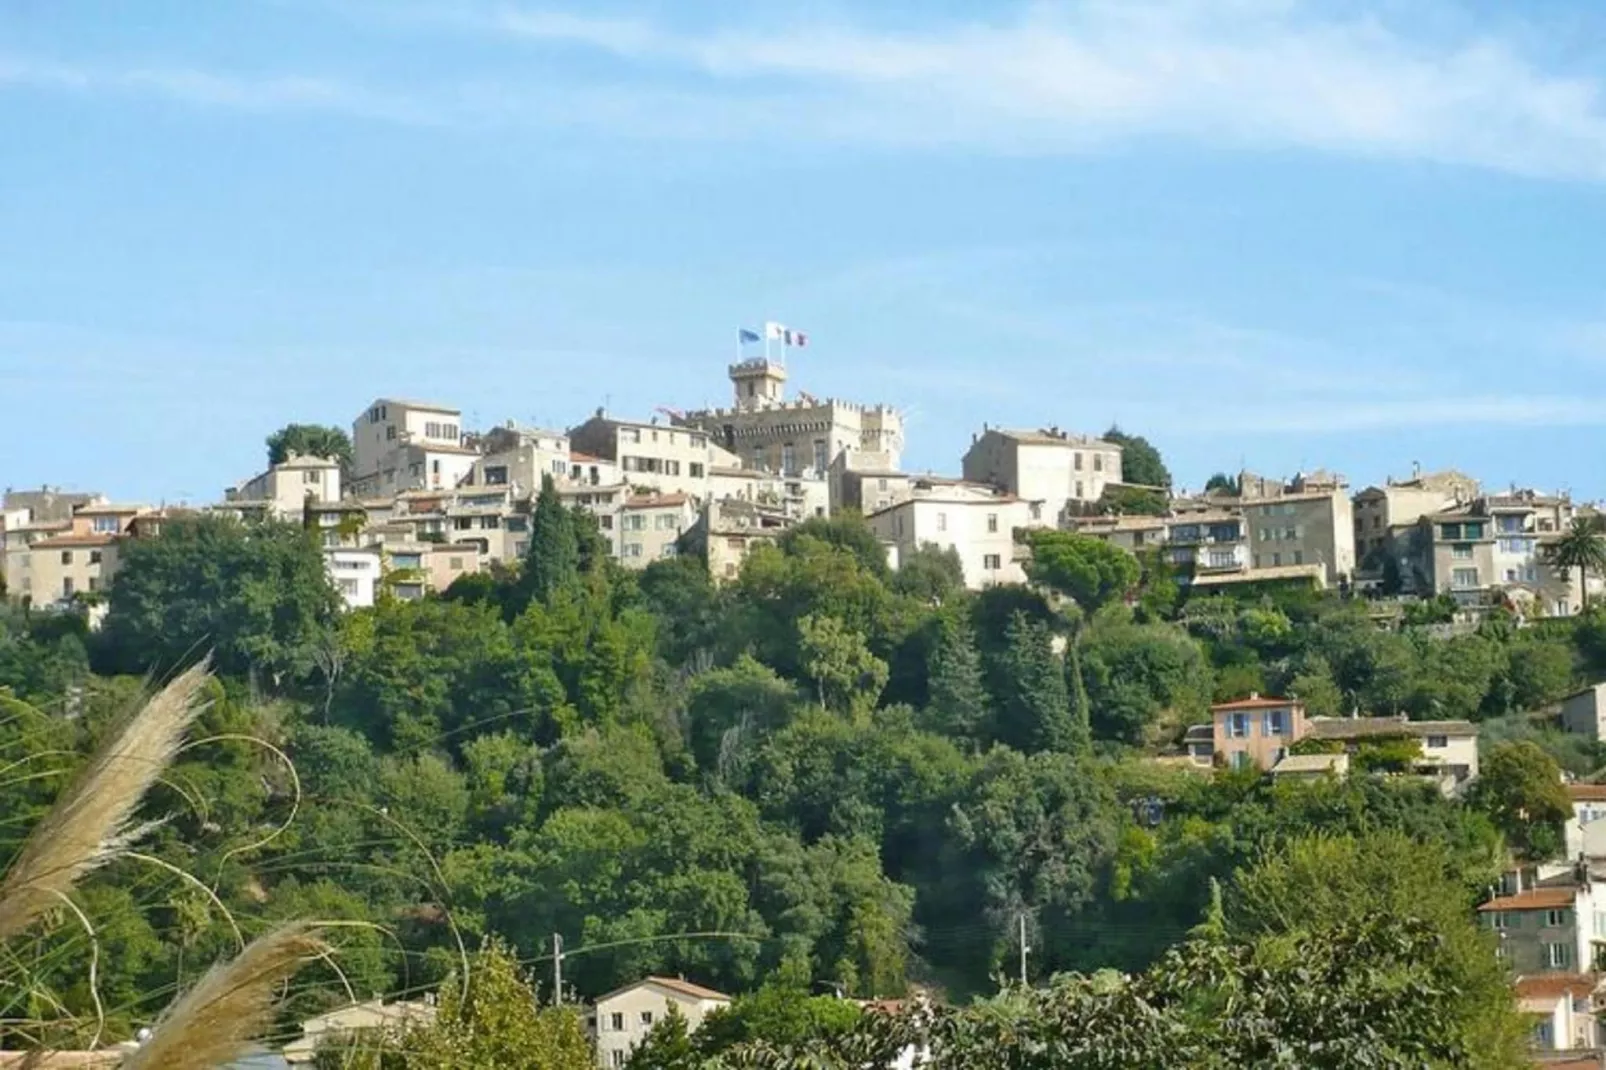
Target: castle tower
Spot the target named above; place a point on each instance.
(760, 383)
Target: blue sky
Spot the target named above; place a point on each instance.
(1261, 232)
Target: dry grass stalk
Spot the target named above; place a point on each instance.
(90, 823)
(232, 1005)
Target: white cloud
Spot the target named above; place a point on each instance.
(1057, 76)
(210, 89)
(1054, 77)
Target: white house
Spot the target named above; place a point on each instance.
(621, 1019)
(355, 574)
(975, 521)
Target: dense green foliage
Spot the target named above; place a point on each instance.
(1140, 461)
(310, 440)
(822, 771)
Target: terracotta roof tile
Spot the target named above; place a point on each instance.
(1534, 899)
(687, 988)
(64, 542)
(1255, 704)
(1576, 792)
(1554, 985)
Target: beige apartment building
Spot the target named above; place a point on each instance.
(621, 1019)
(765, 430)
(79, 560)
(284, 490)
(518, 458)
(1134, 534)
(974, 520)
(1385, 515)
(1306, 521)
(1491, 551)
(727, 530)
(1052, 470)
(650, 527)
(404, 445)
(650, 455)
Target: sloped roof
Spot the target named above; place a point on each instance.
(1257, 702)
(1359, 727)
(1534, 899)
(1555, 985)
(1586, 792)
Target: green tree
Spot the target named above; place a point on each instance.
(1520, 788)
(668, 1046)
(1088, 570)
(959, 706)
(846, 676)
(256, 595)
(845, 531)
(931, 574)
(1583, 547)
(1224, 483)
(1322, 885)
(1540, 672)
(552, 559)
(1133, 501)
(1034, 712)
(310, 440)
(1140, 461)
(1144, 681)
(496, 1022)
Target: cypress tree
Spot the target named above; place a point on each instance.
(958, 696)
(1037, 711)
(553, 557)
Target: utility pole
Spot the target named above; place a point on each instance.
(1023, 950)
(557, 969)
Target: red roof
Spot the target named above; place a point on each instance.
(1556, 985)
(1587, 792)
(1256, 703)
(655, 501)
(1534, 899)
(586, 458)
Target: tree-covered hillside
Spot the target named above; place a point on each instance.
(823, 770)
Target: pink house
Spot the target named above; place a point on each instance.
(1256, 731)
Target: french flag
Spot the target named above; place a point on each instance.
(785, 335)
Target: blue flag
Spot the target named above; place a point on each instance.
(745, 335)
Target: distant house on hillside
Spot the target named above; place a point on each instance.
(621, 1019)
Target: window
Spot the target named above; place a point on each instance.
(646, 1017)
(667, 522)
(1499, 921)
(1472, 531)
(1558, 956)
(1276, 560)
(348, 588)
(1098, 462)
(617, 1056)
(1276, 723)
(695, 469)
(992, 523)
(1509, 524)
(1241, 759)
(1555, 919)
(1544, 1037)
(462, 523)
(1437, 742)
(635, 522)
(820, 459)
(66, 557)
(106, 525)
(1265, 534)
(605, 522)
(496, 475)
(67, 587)
(992, 562)
(455, 564)
(630, 434)
(942, 521)
(633, 549)
(1222, 559)
(789, 459)
(1037, 511)
(1238, 725)
(881, 484)
(94, 557)
(1299, 557)
(94, 584)
(312, 475)
(1079, 493)
(390, 433)
(1076, 461)
(1461, 551)
(1464, 578)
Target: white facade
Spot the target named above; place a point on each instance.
(973, 521)
(622, 1019)
(1050, 468)
(390, 423)
(284, 489)
(355, 574)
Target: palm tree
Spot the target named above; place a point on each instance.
(1581, 546)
